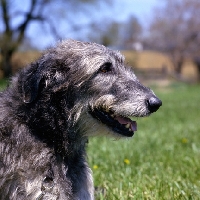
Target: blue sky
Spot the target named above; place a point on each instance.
(120, 11)
(141, 8)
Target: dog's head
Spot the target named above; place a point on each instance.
(91, 81)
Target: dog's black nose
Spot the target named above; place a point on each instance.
(153, 104)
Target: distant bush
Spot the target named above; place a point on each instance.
(21, 59)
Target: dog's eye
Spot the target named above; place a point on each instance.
(106, 67)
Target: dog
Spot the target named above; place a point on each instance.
(51, 107)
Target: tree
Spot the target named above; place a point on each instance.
(117, 34)
(15, 21)
(105, 32)
(175, 30)
(132, 32)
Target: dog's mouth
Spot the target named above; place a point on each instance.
(122, 125)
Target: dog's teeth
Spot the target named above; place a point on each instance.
(127, 125)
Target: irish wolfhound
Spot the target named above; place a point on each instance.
(73, 91)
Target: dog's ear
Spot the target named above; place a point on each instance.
(30, 83)
(44, 72)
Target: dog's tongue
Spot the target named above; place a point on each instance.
(125, 120)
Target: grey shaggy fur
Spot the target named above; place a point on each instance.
(73, 91)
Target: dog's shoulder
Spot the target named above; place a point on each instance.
(23, 159)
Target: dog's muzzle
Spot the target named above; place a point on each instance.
(121, 124)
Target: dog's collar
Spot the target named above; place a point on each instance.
(46, 187)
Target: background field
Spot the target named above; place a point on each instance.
(162, 160)
(144, 63)
(154, 62)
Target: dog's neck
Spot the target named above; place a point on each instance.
(54, 128)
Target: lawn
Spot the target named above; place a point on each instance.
(162, 160)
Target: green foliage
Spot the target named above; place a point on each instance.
(3, 83)
(161, 161)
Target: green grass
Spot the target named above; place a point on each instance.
(164, 154)
(3, 83)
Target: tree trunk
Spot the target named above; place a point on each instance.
(177, 59)
(197, 63)
(178, 69)
(6, 64)
(198, 71)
